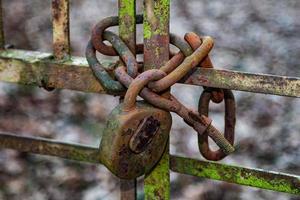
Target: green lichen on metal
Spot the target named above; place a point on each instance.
(156, 53)
(159, 178)
(161, 9)
(244, 176)
(127, 22)
(2, 38)
(15, 67)
(127, 14)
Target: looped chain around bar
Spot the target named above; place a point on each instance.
(193, 52)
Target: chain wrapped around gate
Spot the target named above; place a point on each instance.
(150, 85)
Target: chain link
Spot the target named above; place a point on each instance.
(193, 52)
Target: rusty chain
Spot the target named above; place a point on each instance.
(193, 53)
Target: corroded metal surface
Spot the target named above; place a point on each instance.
(114, 150)
(195, 41)
(2, 39)
(61, 29)
(189, 63)
(280, 182)
(230, 113)
(49, 147)
(127, 23)
(200, 123)
(31, 68)
(243, 81)
(156, 54)
(127, 32)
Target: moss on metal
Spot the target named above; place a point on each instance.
(127, 23)
(156, 53)
(159, 178)
(244, 176)
(161, 11)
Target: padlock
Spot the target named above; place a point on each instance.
(136, 133)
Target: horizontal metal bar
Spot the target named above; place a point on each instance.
(243, 81)
(39, 69)
(61, 29)
(280, 182)
(50, 147)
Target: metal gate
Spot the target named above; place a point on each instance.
(60, 70)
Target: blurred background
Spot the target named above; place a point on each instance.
(252, 35)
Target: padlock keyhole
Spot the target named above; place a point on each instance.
(147, 129)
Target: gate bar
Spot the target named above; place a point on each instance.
(127, 32)
(156, 53)
(61, 29)
(50, 147)
(32, 68)
(280, 182)
(269, 180)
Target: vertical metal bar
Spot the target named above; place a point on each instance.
(61, 29)
(127, 23)
(127, 32)
(156, 53)
(2, 40)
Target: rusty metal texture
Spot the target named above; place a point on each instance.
(127, 23)
(195, 41)
(61, 29)
(269, 180)
(97, 35)
(2, 38)
(156, 53)
(107, 82)
(230, 118)
(127, 33)
(138, 84)
(96, 43)
(199, 122)
(127, 57)
(33, 68)
(49, 147)
(117, 149)
(101, 47)
(186, 66)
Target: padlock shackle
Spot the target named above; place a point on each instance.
(138, 84)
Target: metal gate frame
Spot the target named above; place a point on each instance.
(60, 70)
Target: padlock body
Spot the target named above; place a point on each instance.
(121, 127)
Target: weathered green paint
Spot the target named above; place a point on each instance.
(156, 54)
(280, 182)
(61, 29)
(50, 147)
(17, 66)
